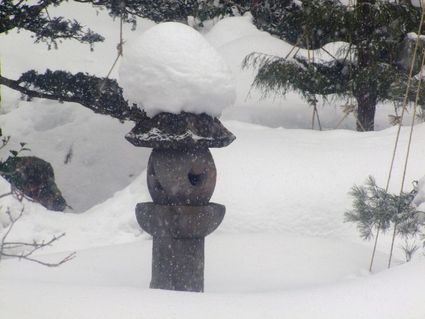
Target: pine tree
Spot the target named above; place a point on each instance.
(102, 95)
(376, 34)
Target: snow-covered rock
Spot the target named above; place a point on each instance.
(419, 200)
(172, 68)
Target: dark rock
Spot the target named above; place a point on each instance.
(184, 130)
(35, 178)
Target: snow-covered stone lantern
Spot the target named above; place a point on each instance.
(183, 85)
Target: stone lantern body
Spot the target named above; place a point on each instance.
(181, 177)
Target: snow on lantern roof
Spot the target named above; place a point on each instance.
(172, 68)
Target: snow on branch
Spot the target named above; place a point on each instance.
(101, 95)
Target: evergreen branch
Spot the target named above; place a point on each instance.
(58, 28)
(280, 75)
(313, 23)
(375, 208)
(101, 95)
(17, 15)
(165, 10)
(33, 19)
(296, 23)
(398, 89)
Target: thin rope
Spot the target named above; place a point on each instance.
(315, 115)
(348, 109)
(120, 53)
(350, 98)
(328, 53)
(404, 106)
(292, 49)
(315, 104)
(409, 144)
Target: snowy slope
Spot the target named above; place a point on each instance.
(271, 180)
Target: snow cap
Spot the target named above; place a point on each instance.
(172, 68)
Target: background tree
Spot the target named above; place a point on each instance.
(372, 66)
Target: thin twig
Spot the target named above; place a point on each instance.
(7, 248)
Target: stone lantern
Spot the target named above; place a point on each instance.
(181, 177)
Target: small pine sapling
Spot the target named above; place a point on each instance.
(376, 210)
(372, 209)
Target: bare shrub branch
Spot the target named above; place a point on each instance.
(25, 250)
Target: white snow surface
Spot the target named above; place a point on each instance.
(172, 68)
(283, 249)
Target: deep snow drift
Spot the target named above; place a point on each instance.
(283, 249)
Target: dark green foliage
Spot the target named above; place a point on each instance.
(101, 95)
(373, 67)
(374, 208)
(280, 75)
(171, 10)
(162, 10)
(315, 23)
(371, 208)
(292, 22)
(35, 18)
(338, 76)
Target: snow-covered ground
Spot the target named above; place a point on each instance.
(282, 251)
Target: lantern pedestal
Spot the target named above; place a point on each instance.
(178, 242)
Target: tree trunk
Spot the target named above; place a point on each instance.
(366, 107)
(366, 91)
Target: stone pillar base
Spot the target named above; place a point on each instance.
(178, 264)
(178, 242)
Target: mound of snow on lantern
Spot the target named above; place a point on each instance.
(172, 68)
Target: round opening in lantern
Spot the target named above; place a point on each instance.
(179, 177)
